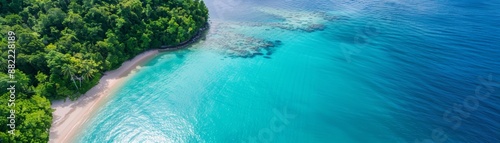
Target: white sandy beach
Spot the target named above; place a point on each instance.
(69, 116)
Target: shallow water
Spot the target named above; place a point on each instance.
(319, 71)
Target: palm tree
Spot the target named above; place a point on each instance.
(80, 79)
(73, 78)
(89, 70)
(67, 70)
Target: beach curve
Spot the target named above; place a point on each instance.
(69, 116)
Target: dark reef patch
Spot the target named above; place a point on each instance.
(236, 45)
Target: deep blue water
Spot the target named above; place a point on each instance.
(320, 71)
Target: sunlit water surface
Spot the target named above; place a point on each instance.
(319, 71)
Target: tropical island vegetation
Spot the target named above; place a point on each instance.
(64, 46)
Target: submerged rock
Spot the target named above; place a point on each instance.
(237, 45)
(299, 20)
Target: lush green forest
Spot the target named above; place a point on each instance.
(64, 46)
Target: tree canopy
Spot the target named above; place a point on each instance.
(64, 46)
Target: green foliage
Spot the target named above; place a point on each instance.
(64, 47)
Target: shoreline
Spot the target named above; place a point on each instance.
(69, 116)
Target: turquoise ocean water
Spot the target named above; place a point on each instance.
(319, 71)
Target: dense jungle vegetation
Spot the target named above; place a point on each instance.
(62, 48)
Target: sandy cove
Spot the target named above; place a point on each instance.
(69, 116)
